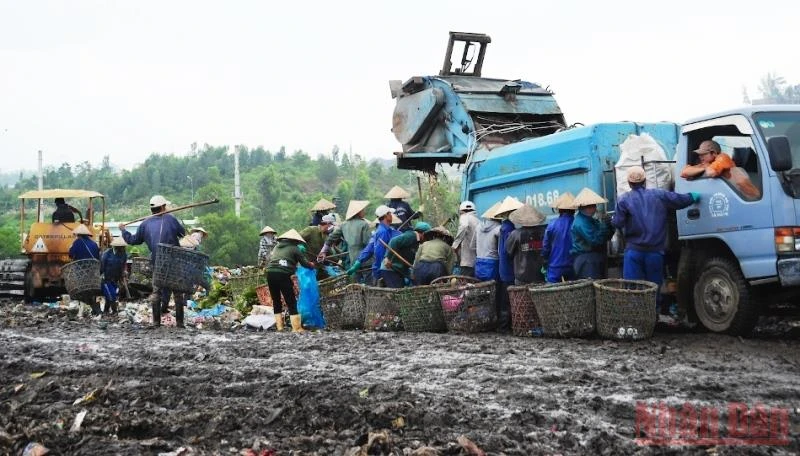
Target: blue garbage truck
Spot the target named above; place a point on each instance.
(736, 253)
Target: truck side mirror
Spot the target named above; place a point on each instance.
(780, 153)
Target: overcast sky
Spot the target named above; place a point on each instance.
(83, 79)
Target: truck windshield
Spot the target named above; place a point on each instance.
(781, 124)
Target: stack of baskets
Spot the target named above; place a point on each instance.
(565, 309)
(82, 278)
(420, 309)
(382, 309)
(626, 309)
(467, 306)
(178, 269)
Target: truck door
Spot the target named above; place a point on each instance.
(733, 207)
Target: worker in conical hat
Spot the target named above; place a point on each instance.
(505, 262)
(486, 238)
(282, 264)
(265, 245)
(589, 236)
(112, 272)
(355, 233)
(524, 244)
(402, 210)
(435, 256)
(321, 208)
(558, 241)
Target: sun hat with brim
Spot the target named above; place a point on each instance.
(635, 175)
(199, 230)
(397, 192)
(587, 197)
(564, 201)
(118, 242)
(323, 205)
(354, 208)
(81, 229)
(292, 235)
(527, 215)
(508, 204)
(441, 232)
(267, 229)
(490, 213)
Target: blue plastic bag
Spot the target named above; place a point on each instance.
(308, 302)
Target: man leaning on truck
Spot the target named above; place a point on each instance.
(713, 163)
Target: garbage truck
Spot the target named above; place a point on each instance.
(735, 254)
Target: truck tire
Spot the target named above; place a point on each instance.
(722, 299)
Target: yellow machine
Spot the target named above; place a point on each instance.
(46, 244)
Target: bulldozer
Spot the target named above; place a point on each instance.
(45, 243)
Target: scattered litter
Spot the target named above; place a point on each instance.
(38, 374)
(89, 397)
(18, 387)
(399, 422)
(179, 452)
(34, 449)
(364, 392)
(261, 321)
(469, 446)
(76, 426)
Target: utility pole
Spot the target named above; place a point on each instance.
(41, 187)
(237, 190)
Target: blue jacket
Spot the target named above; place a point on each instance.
(506, 260)
(375, 249)
(641, 214)
(83, 248)
(161, 229)
(558, 242)
(403, 211)
(588, 234)
(112, 265)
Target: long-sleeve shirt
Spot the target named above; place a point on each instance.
(265, 246)
(436, 250)
(112, 265)
(486, 239)
(285, 257)
(558, 241)
(356, 233)
(160, 229)
(83, 248)
(402, 210)
(406, 245)
(506, 260)
(588, 234)
(315, 239)
(641, 214)
(525, 246)
(375, 249)
(465, 240)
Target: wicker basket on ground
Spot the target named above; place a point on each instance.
(469, 308)
(82, 277)
(524, 319)
(453, 280)
(626, 309)
(382, 309)
(345, 309)
(178, 268)
(565, 309)
(420, 309)
(238, 284)
(141, 271)
(333, 285)
(264, 297)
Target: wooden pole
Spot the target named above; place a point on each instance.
(175, 209)
(400, 257)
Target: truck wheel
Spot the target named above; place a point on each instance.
(722, 300)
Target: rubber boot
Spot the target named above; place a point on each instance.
(279, 322)
(179, 314)
(156, 313)
(114, 307)
(297, 326)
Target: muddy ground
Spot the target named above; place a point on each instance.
(151, 391)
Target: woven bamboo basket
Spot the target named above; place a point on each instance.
(333, 285)
(470, 307)
(345, 309)
(453, 280)
(238, 284)
(178, 268)
(420, 309)
(382, 309)
(141, 271)
(626, 309)
(565, 309)
(82, 277)
(524, 319)
(264, 296)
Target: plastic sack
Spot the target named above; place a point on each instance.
(261, 321)
(333, 271)
(632, 151)
(308, 302)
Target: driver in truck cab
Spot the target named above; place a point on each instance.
(713, 163)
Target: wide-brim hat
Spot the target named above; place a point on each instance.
(354, 208)
(587, 197)
(490, 213)
(441, 232)
(564, 201)
(293, 235)
(81, 229)
(397, 192)
(323, 205)
(508, 204)
(199, 230)
(527, 215)
(118, 242)
(267, 229)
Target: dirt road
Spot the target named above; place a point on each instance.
(240, 392)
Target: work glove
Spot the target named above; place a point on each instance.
(695, 196)
(543, 270)
(301, 248)
(354, 268)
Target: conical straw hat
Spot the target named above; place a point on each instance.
(442, 231)
(354, 208)
(564, 201)
(397, 192)
(509, 204)
(587, 198)
(293, 235)
(527, 215)
(118, 242)
(81, 229)
(490, 213)
(323, 205)
(268, 229)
